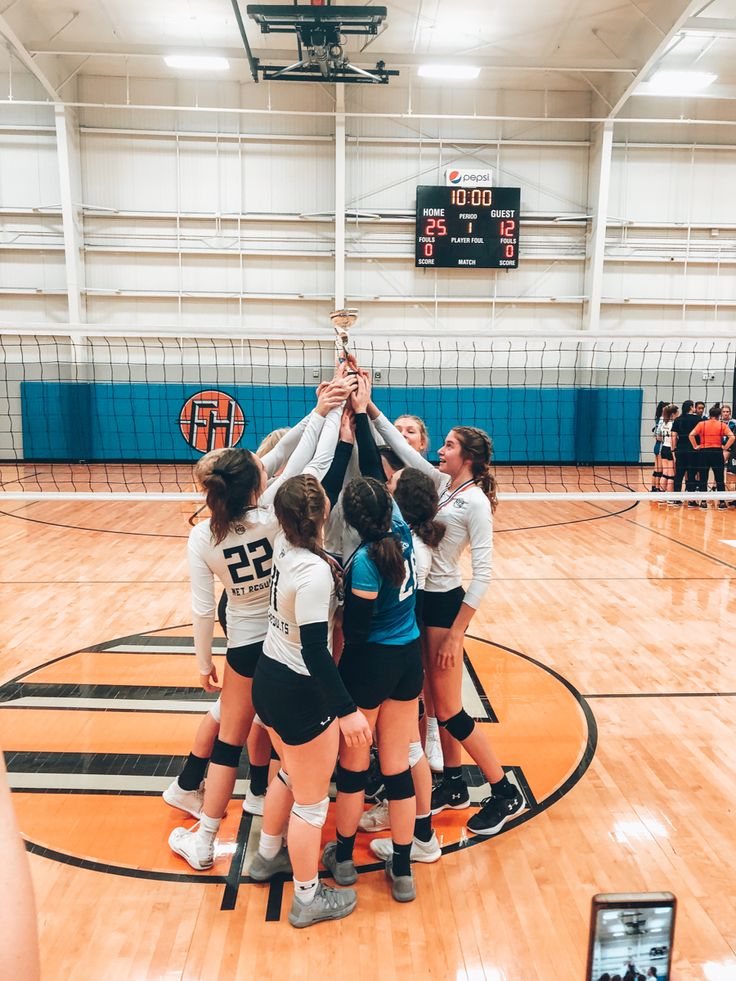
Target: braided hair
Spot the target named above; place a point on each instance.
(232, 485)
(477, 447)
(367, 507)
(300, 509)
(416, 495)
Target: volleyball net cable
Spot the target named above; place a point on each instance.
(571, 416)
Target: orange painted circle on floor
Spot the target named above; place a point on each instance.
(93, 738)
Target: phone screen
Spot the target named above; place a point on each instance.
(631, 937)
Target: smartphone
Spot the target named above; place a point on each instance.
(631, 936)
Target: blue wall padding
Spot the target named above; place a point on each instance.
(106, 421)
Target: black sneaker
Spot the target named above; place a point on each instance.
(452, 794)
(722, 505)
(704, 504)
(495, 812)
(692, 504)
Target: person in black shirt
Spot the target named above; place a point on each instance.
(685, 457)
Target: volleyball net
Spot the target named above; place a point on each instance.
(570, 415)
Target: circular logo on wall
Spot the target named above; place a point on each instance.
(454, 176)
(211, 420)
(105, 730)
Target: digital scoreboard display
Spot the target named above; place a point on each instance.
(467, 227)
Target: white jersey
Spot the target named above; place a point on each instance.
(468, 520)
(242, 563)
(302, 592)
(423, 560)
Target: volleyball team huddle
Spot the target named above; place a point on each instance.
(340, 563)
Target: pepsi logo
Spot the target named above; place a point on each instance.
(454, 177)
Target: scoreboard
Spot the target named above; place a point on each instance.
(461, 227)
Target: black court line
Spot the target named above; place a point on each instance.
(103, 531)
(574, 521)
(86, 863)
(666, 694)
(275, 898)
(677, 541)
(29, 689)
(102, 764)
(230, 895)
(132, 639)
(480, 691)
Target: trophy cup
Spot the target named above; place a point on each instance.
(342, 321)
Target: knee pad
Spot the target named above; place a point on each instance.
(415, 753)
(284, 778)
(350, 781)
(216, 711)
(399, 786)
(275, 755)
(226, 754)
(459, 726)
(314, 814)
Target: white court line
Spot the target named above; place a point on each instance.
(97, 781)
(729, 541)
(122, 704)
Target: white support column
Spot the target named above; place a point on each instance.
(70, 179)
(339, 195)
(599, 185)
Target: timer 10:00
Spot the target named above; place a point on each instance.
(477, 197)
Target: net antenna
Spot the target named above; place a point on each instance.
(321, 32)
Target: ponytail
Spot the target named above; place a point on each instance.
(232, 488)
(300, 509)
(367, 507)
(477, 448)
(416, 496)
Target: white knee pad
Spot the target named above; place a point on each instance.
(314, 814)
(257, 721)
(216, 711)
(415, 753)
(284, 778)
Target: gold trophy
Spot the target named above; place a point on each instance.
(342, 321)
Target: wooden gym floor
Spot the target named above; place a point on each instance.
(601, 666)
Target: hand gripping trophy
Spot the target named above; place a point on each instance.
(342, 321)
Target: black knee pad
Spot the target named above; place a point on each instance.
(399, 786)
(275, 755)
(350, 781)
(459, 726)
(226, 754)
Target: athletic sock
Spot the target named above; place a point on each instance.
(269, 845)
(208, 828)
(193, 773)
(401, 860)
(503, 788)
(305, 891)
(258, 779)
(450, 773)
(423, 827)
(344, 851)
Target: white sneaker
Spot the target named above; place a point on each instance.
(433, 749)
(375, 819)
(253, 803)
(189, 845)
(421, 851)
(191, 801)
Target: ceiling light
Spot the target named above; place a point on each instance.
(449, 72)
(198, 63)
(678, 83)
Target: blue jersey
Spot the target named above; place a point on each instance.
(394, 618)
